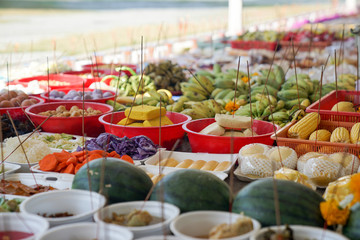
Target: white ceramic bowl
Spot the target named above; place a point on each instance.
(192, 225)
(304, 232)
(23, 222)
(83, 204)
(89, 231)
(9, 168)
(153, 207)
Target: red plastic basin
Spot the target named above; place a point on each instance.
(110, 68)
(19, 112)
(218, 144)
(45, 95)
(70, 125)
(66, 80)
(169, 134)
(89, 75)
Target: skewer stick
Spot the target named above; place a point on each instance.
(8, 77)
(271, 64)
(296, 78)
(236, 83)
(251, 115)
(48, 77)
(141, 67)
(320, 92)
(336, 88)
(22, 147)
(2, 149)
(55, 60)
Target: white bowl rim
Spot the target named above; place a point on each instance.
(101, 119)
(110, 109)
(301, 227)
(184, 126)
(83, 224)
(33, 216)
(257, 226)
(149, 227)
(64, 219)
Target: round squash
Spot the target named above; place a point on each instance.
(122, 181)
(299, 205)
(192, 190)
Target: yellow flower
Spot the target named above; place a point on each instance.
(255, 74)
(231, 107)
(333, 214)
(245, 79)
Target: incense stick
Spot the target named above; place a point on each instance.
(296, 78)
(236, 83)
(251, 115)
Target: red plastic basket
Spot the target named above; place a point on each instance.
(64, 80)
(302, 146)
(19, 112)
(66, 90)
(70, 125)
(329, 100)
(247, 45)
(89, 75)
(169, 134)
(218, 144)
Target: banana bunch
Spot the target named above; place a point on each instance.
(270, 36)
(345, 82)
(166, 75)
(196, 109)
(161, 97)
(197, 89)
(274, 78)
(293, 93)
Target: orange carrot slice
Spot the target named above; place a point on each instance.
(48, 163)
(69, 169)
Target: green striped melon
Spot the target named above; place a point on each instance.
(299, 205)
(352, 227)
(192, 190)
(122, 181)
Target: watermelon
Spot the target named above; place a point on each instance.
(352, 227)
(192, 190)
(123, 181)
(299, 205)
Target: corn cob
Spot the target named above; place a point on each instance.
(320, 135)
(340, 135)
(303, 128)
(355, 134)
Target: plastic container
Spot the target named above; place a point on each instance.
(302, 146)
(19, 112)
(70, 125)
(247, 45)
(87, 231)
(109, 68)
(329, 100)
(303, 232)
(22, 222)
(63, 80)
(218, 144)
(169, 134)
(170, 212)
(45, 95)
(81, 203)
(61, 181)
(197, 224)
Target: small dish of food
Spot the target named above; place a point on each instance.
(143, 218)
(214, 225)
(55, 208)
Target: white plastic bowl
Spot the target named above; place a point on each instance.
(159, 237)
(89, 231)
(83, 204)
(304, 232)
(153, 207)
(192, 225)
(23, 222)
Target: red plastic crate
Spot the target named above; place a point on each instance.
(247, 45)
(329, 100)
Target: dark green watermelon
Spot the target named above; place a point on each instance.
(352, 227)
(192, 190)
(122, 181)
(299, 205)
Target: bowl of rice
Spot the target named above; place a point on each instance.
(34, 149)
